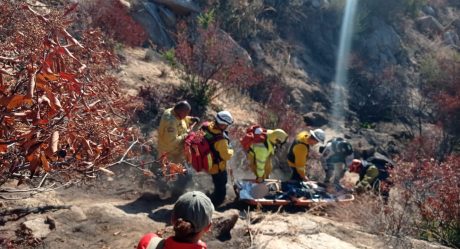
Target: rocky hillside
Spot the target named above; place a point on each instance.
(292, 43)
(295, 44)
(115, 213)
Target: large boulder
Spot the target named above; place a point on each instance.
(451, 38)
(396, 130)
(315, 119)
(168, 17)
(180, 7)
(320, 3)
(429, 25)
(146, 14)
(456, 25)
(238, 51)
(383, 46)
(223, 223)
(428, 10)
(293, 231)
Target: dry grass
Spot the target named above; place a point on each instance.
(396, 221)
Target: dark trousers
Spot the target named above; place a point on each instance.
(220, 188)
(295, 175)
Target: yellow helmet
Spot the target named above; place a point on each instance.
(277, 136)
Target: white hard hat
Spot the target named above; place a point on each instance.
(319, 135)
(224, 117)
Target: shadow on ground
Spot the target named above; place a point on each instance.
(146, 203)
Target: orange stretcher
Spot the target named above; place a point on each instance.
(277, 193)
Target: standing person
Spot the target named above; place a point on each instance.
(336, 156)
(174, 126)
(191, 219)
(222, 153)
(298, 152)
(260, 154)
(372, 177)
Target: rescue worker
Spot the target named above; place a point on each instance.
(371, 177)
(260, 154)
(174, 126)
(191, 219)
(336, 156)
(222, 153)
(298, 152)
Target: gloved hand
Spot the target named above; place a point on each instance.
(195, 119)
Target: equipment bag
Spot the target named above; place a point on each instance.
(383, 163)
(251, 137)
(199, 151)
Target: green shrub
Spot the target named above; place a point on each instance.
(206, 18)
(170, 56)
(209, 65)
(196, 92)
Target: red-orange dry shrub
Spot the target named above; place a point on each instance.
(212, 63)
(277, 112)
(60, 108)
(114, 18)
(431, 187)
(443, 89)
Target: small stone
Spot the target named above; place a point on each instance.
(78, 213)
(37, 227)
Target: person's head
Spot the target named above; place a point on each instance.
(316, 136)
(355, 166)
(277, 137)
(182, 109)
(223, 120)
(191, 217)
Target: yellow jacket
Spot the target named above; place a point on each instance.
(259, 157)
(171, 135)
(222, 148)
(298, 153)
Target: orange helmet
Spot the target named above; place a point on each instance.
(355, 166)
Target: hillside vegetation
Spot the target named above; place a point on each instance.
(83, 85)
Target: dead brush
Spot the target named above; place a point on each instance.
(395, 221)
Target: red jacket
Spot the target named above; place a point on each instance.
(169, 243)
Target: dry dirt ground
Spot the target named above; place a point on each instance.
(114, 212)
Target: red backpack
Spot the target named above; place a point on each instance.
(252, 138)
(199, 151)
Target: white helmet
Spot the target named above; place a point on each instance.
(319, 135)
(224, 117)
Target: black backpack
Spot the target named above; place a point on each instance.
(383, 163)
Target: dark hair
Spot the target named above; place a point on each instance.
(184, 231)
(182, 106)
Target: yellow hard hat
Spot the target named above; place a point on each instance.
(277, 136)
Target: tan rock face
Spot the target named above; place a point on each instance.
(294, 231)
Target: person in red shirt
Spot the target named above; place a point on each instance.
(191, 218)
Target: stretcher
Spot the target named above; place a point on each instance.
(278, 193)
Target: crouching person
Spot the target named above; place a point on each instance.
(298, 152)
(191, 219)
(371, 178)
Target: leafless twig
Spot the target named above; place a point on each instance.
(122, 159)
